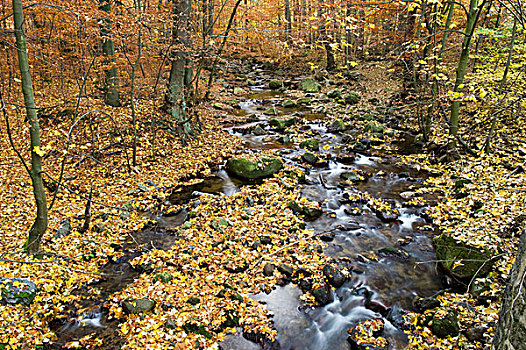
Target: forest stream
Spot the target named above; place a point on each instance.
(379, 288)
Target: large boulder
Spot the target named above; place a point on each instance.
(336, 126)
(445, 324)
(248, 170)
(461, 260)
(366, 335)
(17, 291)
(309, 85)
(323, 295)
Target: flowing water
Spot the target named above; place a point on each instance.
(389, 281)
(379, 283)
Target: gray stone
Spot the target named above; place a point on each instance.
(137, 306)
(64, 229)
(17, 291)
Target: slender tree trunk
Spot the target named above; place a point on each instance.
(111, 84)
(461, 68)
(511, 329)
(40, 225)
(288, 21)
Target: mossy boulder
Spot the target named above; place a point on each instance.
(288, 104)
(323, 295)
(336, 126)
(248, 170)
(334, 93)
(309, 85)
(374, 128)
(258, 131)
(451, 252)
(17, 291)
(164, 277)
(445, 325)
(311, 144)
(310, 158)
(351, 98)
(275, 84)
(304, 101)
(281, 124)
(309, 212)
(270, 111)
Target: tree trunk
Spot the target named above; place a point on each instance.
(461, 69)
(179, 67)
(111, 84)
(40, 225)
(511, 329)
(288, 21)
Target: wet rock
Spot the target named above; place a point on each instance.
(363, 292)
(427, 303)
(268, 269)
(311, 144)
(336, 126)
(387, 216)
(17, 291)
(351, 176)
(309, 212)
(275, 84)
(64, 229)
(351, 98)
(258, 131)
(310, 158)
(397, 254)
(376, 306)
(137, 306)
(305, 284)
(473, 260)
(345, 158)
(286, 270)
(283, 139)
(366, 335)
(328, 236)
(374, 128)
(444, 325)
(245, 169)
(476, 333)
(334, 93)
(348, 227)
(281, 124)
(334, 276)
(323, 295)
(309, 85)
(265, 240)
(288, 104)
(251, 82)
(396, 317)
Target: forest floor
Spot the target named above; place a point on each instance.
(192, 262)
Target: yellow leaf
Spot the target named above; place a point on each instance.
(38, 151)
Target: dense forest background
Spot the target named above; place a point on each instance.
(111, 109)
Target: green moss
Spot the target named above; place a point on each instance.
(245, 169)
(471, 259)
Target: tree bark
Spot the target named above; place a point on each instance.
(288, 21)
(511, 328)
(179, 69)
(111, 84)
(41, 221)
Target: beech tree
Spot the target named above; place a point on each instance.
(40, 224)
